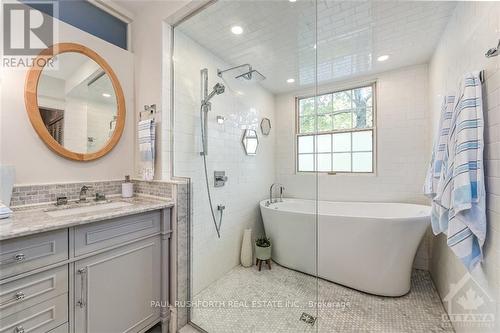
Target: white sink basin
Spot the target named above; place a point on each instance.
(88, 209)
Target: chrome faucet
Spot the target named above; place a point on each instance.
(83, 192)
(282, 189)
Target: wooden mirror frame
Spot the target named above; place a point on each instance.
(31, 101)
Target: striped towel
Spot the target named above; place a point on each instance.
(461, 192)
(439, 218)
(146, 136)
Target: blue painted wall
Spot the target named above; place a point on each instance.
(87, 17)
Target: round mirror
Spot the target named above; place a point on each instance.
(75, 102)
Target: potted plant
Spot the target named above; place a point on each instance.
(263, 248)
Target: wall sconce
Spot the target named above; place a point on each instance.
(220, 120)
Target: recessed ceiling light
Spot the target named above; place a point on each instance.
(237, 30)
(290, 80)
(106, 95)
(383, 57)
(292, 0)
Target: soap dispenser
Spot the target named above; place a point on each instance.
(127, 188)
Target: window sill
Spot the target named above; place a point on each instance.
(348, 174)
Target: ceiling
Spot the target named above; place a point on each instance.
(65, 65)
(279, 37)
(135, 6)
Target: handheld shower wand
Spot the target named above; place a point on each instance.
(204, 108)
(217, 90)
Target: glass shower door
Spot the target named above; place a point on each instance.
(237, 66)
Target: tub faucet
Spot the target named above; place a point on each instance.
(281, 187)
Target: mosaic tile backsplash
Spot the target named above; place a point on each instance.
(45, 193)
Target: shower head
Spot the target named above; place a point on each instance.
(217, 90)
(252, 75)
(244, 72)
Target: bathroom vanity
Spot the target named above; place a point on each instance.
(102, 269)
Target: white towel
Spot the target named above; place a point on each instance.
(461, 192)
(146, 137)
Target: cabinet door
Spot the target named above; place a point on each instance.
(114, 290)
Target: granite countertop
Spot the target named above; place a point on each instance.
(36, 219)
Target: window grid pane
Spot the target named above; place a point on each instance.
(346, 118)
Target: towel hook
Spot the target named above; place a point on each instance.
(149, 110)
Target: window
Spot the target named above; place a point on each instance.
(89, 18)
(336, 134)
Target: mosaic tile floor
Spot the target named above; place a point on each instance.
(246, 300)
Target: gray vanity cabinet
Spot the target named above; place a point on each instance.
(114, 290)
(101, 277)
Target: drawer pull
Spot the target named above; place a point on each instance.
(19, 329)
(83, 281)
(19, 296)
(19, 257)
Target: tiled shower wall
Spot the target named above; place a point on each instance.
(249, 177)
(473, 29)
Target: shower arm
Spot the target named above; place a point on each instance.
(219, 72)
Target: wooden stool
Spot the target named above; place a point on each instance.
(259, 263)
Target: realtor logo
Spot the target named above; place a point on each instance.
(470, 305)
(26, 30)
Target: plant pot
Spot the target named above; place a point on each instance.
(263, 253)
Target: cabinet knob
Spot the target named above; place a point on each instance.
(19, 296)
(19, 329)
(20, 257)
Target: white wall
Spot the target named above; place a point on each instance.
(473, 29)
(151, 46)
(99, 117)
(402, 146)
(243, 106)
(75, 125)
(34, 162)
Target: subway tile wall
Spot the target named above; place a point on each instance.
(473, 29)
(45, 193)
(402, 146)
(249, 177)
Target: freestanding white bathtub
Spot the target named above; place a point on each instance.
(365, 246)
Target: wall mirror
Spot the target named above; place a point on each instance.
(265, 126)
(250, 142)
(76, 103)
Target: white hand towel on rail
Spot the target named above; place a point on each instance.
(461, 189)
(146, 138)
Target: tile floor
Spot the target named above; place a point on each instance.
(246, 300)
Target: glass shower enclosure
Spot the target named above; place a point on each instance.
(244, 74)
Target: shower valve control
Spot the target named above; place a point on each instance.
(220, 178)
